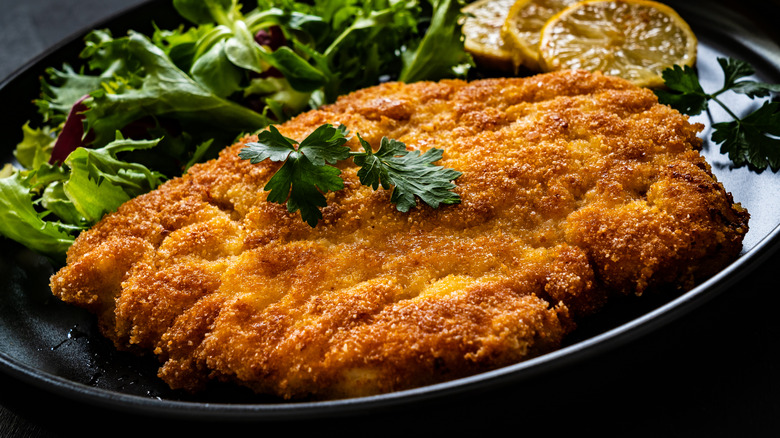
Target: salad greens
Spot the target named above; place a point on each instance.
(305, 175)
(45, 207)
(142, 108)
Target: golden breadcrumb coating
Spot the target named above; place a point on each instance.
(576, 187)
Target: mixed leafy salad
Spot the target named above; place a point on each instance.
(143, 108)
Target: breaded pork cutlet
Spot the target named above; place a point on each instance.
(576, 188)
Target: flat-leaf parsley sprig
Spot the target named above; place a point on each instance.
(751, 140)
(307, 173)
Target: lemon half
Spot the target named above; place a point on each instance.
(632, 39)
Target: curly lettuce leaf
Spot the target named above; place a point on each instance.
(100, 182)
(20, 221)
(36, 146)
(164, 90)
(45, 208)
(61, 89)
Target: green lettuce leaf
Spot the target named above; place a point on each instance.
(20, 221)
(99, 182)
(164, 90)
(45, 208)
(440, 53)
(35, 147)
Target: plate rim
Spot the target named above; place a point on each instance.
(565, 356)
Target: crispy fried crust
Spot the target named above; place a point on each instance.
(576, 187)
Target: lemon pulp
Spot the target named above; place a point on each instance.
(523, 27)
(632, 39)
(481, 27)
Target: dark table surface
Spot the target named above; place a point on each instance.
(713, 372)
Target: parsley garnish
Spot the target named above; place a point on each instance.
(752, 140)
(306, 175)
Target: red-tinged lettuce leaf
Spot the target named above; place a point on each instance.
(72, 134)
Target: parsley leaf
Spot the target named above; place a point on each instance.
(734, 69)
(684, 91)
(753, 140)
(300, 183)
(307, 173)
(326, 144)
(411, 174)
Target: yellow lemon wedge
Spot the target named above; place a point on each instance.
(523, 27)
(481, 27)
(632, 39)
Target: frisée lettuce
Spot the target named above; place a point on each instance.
(46, 208)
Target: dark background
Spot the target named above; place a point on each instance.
(711, 373)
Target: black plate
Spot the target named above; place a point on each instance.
(55, 347)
